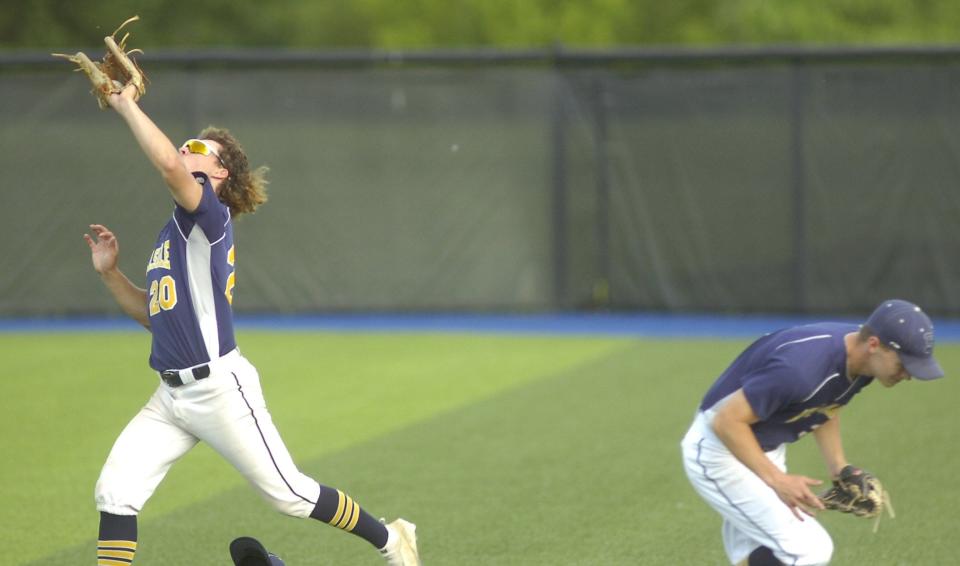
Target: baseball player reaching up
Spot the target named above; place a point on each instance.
(207, 390)
(784, 385)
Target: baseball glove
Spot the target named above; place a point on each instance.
(117, 69)
(858, 492)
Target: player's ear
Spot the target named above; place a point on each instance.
(220, 173)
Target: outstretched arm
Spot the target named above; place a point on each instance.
(104, 251)
(831, 446)
(158, 148)
(732, 426)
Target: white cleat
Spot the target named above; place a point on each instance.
(401, 549)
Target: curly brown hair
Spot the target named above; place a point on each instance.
(243, 190)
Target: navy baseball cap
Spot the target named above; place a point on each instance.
(904, 327)
(247, 551)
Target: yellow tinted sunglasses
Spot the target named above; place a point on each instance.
(200, 147)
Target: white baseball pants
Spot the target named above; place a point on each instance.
(227, 411)
(753, 514)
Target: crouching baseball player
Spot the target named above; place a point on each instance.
(784, 385)
(207, 390)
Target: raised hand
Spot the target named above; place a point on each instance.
(128, 94)
(104, 249)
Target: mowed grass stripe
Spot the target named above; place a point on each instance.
(582, 467)
(69, 395)
(559, 471)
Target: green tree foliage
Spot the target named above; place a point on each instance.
(423, 24)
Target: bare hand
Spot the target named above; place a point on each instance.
(129, 94)
(104, 250)
(795, 492)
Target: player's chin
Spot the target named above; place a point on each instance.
(889, 381)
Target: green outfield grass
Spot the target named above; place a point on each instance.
(504, 450)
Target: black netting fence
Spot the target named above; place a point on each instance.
(789, 182)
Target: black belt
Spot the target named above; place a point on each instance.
(172, 377)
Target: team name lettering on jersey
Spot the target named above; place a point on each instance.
(161, 257)
(827, 411)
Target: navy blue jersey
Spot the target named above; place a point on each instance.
(190, 285)
(794, 379)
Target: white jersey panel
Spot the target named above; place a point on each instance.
(201, 289)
